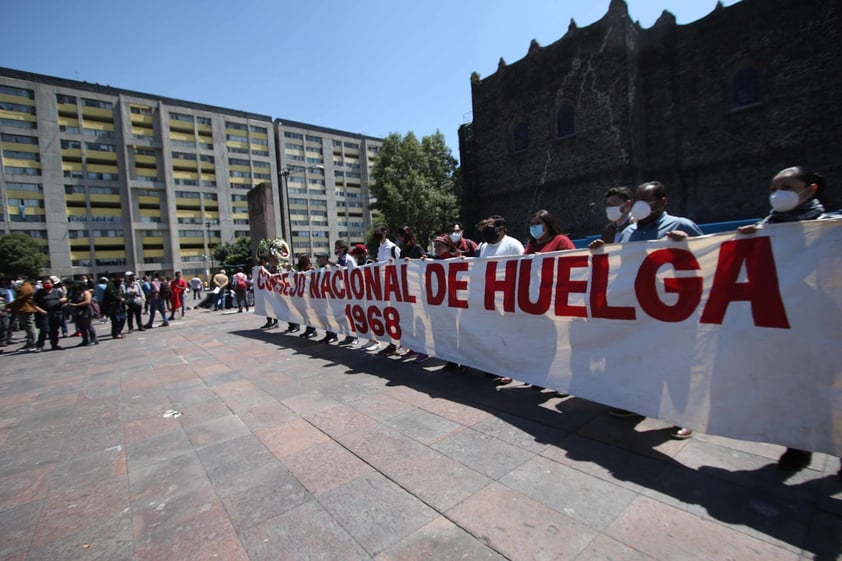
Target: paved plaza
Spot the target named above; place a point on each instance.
(212, 439)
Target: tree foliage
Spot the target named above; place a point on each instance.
(235, 254)
(20, 255)
(414, 183)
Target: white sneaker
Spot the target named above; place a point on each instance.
(371, 345)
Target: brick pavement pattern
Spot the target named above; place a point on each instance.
(287, 449)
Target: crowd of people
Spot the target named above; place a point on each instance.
(53, 309)
(632, 216)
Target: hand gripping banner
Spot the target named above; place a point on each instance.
(736, 335)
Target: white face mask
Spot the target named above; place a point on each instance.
(614, 213)
(455, 237)
(640, 210)
(783, 201)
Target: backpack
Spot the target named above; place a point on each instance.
(241, 282)
(165, 291)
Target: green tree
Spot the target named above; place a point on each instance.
(235, 254)
(414, 184)
(20, 255)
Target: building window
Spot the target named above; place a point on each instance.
(745, 87)
(521, 137)
(565, 123)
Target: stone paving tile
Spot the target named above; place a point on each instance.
(198, 413)
(440, 540)
(588, 499)
(379, 406)
(747, 469)
(437, 480)
(325, 466)
(17, 525)
(309, 403)
(290, 438)
(90, 467)
(604, 548)
(216, 431)
(644, 436)
(376, 512)
(338, 420)
(161, 448)
(71, 509)
(423, 426)
(762, 512)
(667, 533)
(149, 427)
(233, 457)
(824, 540)
(318, 423)
(266, 415)
(523, 433)
(182, 533)
(610, 463)
(378, 445)
(305, 532)
(484, 453)
(25, 486)
(110, 540)
(520, 528)
(259, 494)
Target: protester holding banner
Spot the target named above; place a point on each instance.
(386, 252)
(618, 203)
(545, 234)
(411, 250)
(466, 247)
(654, 223)
(304, 264)
(345, 261)
(497, 241)
(794, 197)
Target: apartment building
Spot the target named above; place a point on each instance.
(107, 179)
(325, 174)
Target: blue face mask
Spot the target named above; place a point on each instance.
(536, 231)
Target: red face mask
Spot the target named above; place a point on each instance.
(48, 286)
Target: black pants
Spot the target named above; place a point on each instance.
(48, 324)
(133, 314)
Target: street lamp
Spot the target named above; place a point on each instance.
(208, 252)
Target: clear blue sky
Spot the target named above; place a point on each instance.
(370, 66)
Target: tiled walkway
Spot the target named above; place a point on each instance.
(212, 439)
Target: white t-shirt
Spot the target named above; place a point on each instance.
(507, 246)
(384, 252)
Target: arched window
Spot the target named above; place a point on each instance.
(521, 137)
(745, 87)
(565, 121)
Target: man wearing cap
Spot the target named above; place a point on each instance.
(360, 254)
(467, 248)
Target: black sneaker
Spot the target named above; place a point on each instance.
(390, 350)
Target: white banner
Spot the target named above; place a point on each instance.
(735, 335)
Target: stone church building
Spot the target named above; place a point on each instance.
(713, 109)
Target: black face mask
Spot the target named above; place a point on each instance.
(378, 236)
(490, 233)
